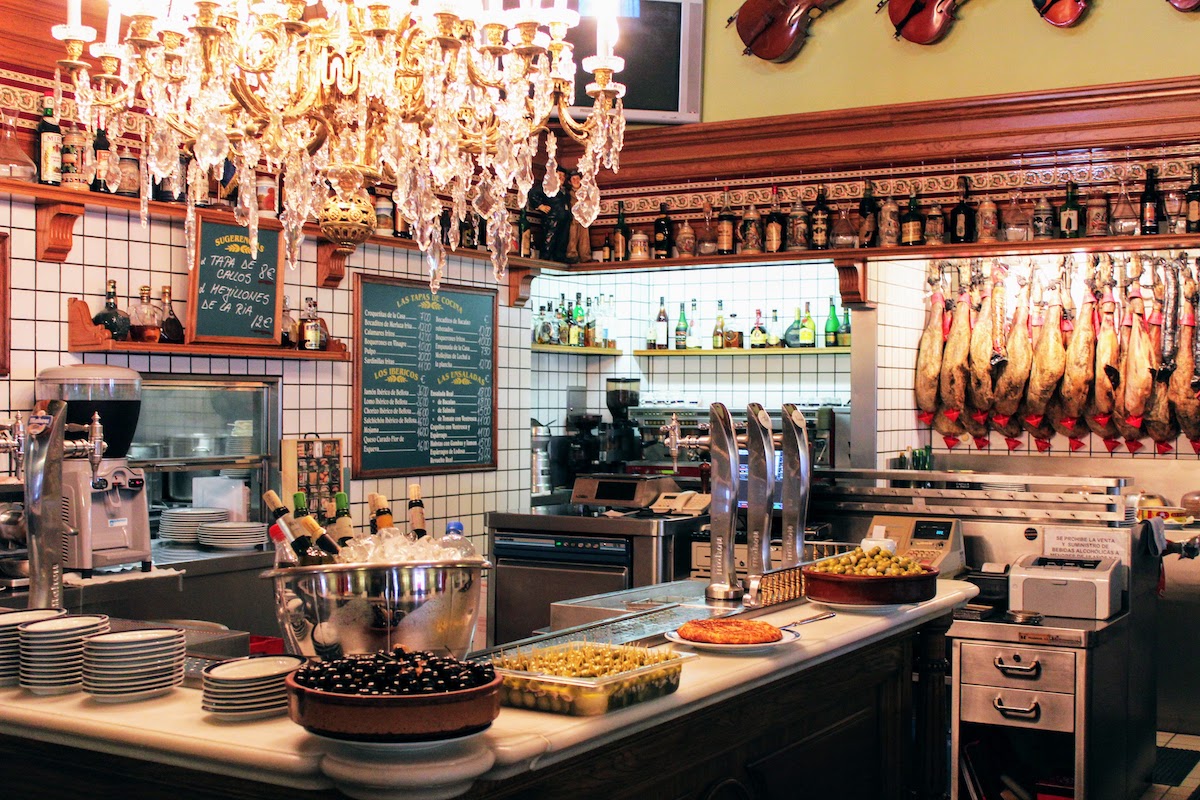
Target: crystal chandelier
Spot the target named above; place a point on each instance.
(440, 98)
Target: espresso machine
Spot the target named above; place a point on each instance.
(623, 440)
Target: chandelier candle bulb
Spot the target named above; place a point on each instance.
(74, 13)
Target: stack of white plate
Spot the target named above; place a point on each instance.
(133, 665)
(52, 651)
(10, 639)
(239, 444)
(232, 535)
(181, 525)
(248, 688)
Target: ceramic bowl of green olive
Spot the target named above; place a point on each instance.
(869, 577)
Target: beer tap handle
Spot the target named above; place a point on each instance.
(760, 489)
(672, 431)
(797, 482)
(723, 454)
(97, 445)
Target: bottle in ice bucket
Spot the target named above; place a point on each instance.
(454, 540)
(343, 527)
(416, 511)
(284, 555)
(381, 512)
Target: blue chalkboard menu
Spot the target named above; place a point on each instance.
(233, 294)
(424, 378)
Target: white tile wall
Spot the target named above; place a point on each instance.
(316, 395)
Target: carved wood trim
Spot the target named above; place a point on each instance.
(331, 264)
(852, 281)
(55, 224)
(520, 284)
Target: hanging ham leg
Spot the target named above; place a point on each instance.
(1129, 286)
(980, 394)
(1010, 383)
(929, 351)
(954, 373)
(1049, 358)
(1081, 355)
(1099, 411)
(1181, 395)
(1139, 362)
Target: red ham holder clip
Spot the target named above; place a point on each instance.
(925, 417)
(1162, 448)
(1195, 445)
(1077, 444)
(1134, 446)
(951, 442)
(1034, 419)
(1113, 444)
(952, 414)
(1042, 444)
(982, 443)
(1013, 444)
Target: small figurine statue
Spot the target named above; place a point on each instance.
(556, 218)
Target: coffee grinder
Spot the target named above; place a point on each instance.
(105, 507)
(624, 440)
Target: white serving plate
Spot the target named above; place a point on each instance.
(15, 618)
(789, 636)
(252, 667)
(129, 697)
(245, 716)
(120, 639)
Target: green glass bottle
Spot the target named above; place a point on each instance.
(1069, 213)
(962, 216)
(831, 325)
(111, 317)
(819, 222)
(843, 332)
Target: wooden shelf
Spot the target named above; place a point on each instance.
(728, 352)
(84, 337)
(574, 351)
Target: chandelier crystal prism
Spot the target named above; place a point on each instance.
(446, 100)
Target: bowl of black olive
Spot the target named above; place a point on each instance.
(394, 695)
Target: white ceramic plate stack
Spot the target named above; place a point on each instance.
(239, 443)
(52, 652)
(232, 535)
(10, 639)
(182, 525)
(248, 688)
(133, 665)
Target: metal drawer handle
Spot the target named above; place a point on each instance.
(998, 704)
(1017, 669)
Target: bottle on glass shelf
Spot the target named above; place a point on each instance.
(1069, 214)
(751, 232)
(797, 236)
(693, 335)
(726, 227)
(287, 326)
(563, 319)
(912, 223)
(111, 317)
(868, 217)
(578, 327)
(313, 335)
(819, 222)
(831, 325)
(49, 144)
(681, 329)
(889, 223)
(962, 216)
(172, 326)
(792, 336)
(735, 337)
(843, 331)
(776, 225)
(1192, 199)
(935, 225)
(774, 332)
(718, 334)
(416, 511)
(661, 342)
(808, 327)
(1152, 209)
(145, 321)
(758, 333)
(101, 159)
(664, 240)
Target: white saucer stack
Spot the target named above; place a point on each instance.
(248, 688)
(182, 525)
(52, 652)
(133, 665)
(10, 639)
(232, 535)
(240, 443)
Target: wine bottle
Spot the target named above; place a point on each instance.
(912, 224)
(831, 325)
(1069, 213)
(718, 335)
(319, 536)
(172, 328)
(1192, 198)
(621, 235)
(111, 317)
(681, 329)
(843, 331)
(868, 217)
(416, 511)
(589, 325)
(1153, 209)
(726, 224)
(774, 334)
(313, 335)
(287, 325)
(758, 334)
(299, 506)
(381, 512)
(808, 328)
(962, 216)
(49, 144)
(663, 238)
(343, 526)
(660, 326)
(819, 222)
(101, 153)
(793, 336)
(693, 335)
(284, 519)
(775, 229)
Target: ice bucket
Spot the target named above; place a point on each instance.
(330, 610)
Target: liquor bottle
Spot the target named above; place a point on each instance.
(962, 216)
(868, 217)
(1069, 214)
(808, 328)
(819, 222)
(726, 225)
(621, 235)
(284, 519)
(751, 232)
(564, 320)
(320, 537)
(49, 144)
(718, 334)
(831, 325)
(1043, 219)
(524, 235)
(844, 235)
(843, 331)
(912, 223)
(1192, 198)
(889, 223)
(313, 335)
(663, 238)
(793, 336)
(101, 155)
(454, 540)
(287, 326)
(1123, 221)
(541, 332)
(145, 321)
(1152, 210)
(416, 511)
(400, 226)
(172, 327)
(1017, 224)
(607, 251)
(693, 335)
(935, 225)
(706, 231)
(735, 339)
(589, 325)
(111, 317)
(578, 321)
(758, 334)
(285, 556)
(987, 226)
(775, 229)
(798, 224)
(681, 329)
(381, 512)
(774, 334)
(661, 342)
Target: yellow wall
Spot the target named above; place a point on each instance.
(995, 47)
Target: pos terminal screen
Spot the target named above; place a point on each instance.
(932, 529)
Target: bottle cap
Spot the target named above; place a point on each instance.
(454, 527)
(299, 500)
(378, 501)
(414, 491)
(276, 534)
(309, 525)
(341, 499)
(270, 498)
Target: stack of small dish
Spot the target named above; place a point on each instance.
(241, 442)
(133, 665)
(182, 525)
(10, 639)
(232, 535)
(52, 651)
(248, 688)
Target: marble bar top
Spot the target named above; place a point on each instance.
(173, 729)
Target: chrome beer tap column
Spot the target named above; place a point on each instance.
(43, 502)
(760, 490)
(797, 483)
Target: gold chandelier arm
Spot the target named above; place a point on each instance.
(319, 136)
(575, 130)
(269, 59)
(247, 99)
(478, 79)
